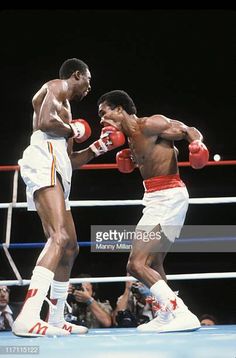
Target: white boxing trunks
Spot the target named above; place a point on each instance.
(166, 202)
(41, 160)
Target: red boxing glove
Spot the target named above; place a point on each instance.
(198, 154)
(124, 161)
(81, 130)
(110, 138)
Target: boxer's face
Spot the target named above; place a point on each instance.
(112, 117)
(83, 86)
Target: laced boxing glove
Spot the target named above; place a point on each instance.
(198, 154)
(81, 130)
(124, 161)
(110, 138)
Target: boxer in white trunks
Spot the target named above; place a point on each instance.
(151, 148)
(46, 168)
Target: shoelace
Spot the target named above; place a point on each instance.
(54, 307)
(51, 305)
(164, 310)
(68, 307)
(153, 302)
(165, 313)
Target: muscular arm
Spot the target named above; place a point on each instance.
(170, 129)
(102, 316)
(123, 301)
(121, 305)
(48, 116)
(99, 312)
(81, 157)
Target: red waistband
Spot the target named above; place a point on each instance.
(162, 182)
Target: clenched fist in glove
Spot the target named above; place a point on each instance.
(198, 154)
(110, 138)
(81, 130)
(124, 161)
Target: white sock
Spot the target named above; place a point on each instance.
(58, 295)
(38, 289)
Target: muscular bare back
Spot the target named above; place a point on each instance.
(51, 103)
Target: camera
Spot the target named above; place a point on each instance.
(140, 290)
(78, 287)
(135, 290)
(126, 319)
(71, 298)
(75, 320)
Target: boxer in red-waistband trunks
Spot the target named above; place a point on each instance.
(151, 148)
(46, 168)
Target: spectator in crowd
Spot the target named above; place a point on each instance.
(207, 320)
(87, 309)
(134, 307)
(6, 313)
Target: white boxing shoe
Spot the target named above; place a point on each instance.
(71, 328)
(36, 328)
(172, 317)
(62, 323)
(181, 320)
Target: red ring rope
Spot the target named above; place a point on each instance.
(8, 168)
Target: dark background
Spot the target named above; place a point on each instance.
(180, 63)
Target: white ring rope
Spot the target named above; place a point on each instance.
(177, 277)
(10, 207)
(81, 203)
(92, 203)
(89, 203)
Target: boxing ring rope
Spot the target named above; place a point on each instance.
(9, 168)
(174, 277)
(92, 203)
(8, 227)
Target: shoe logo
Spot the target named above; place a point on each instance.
(39, 329)
(67, 328)
(174, 304)
(155, 305)
(31, 293)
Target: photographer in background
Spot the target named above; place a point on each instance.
(87, 309)
(6, 313)
(132, 308)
